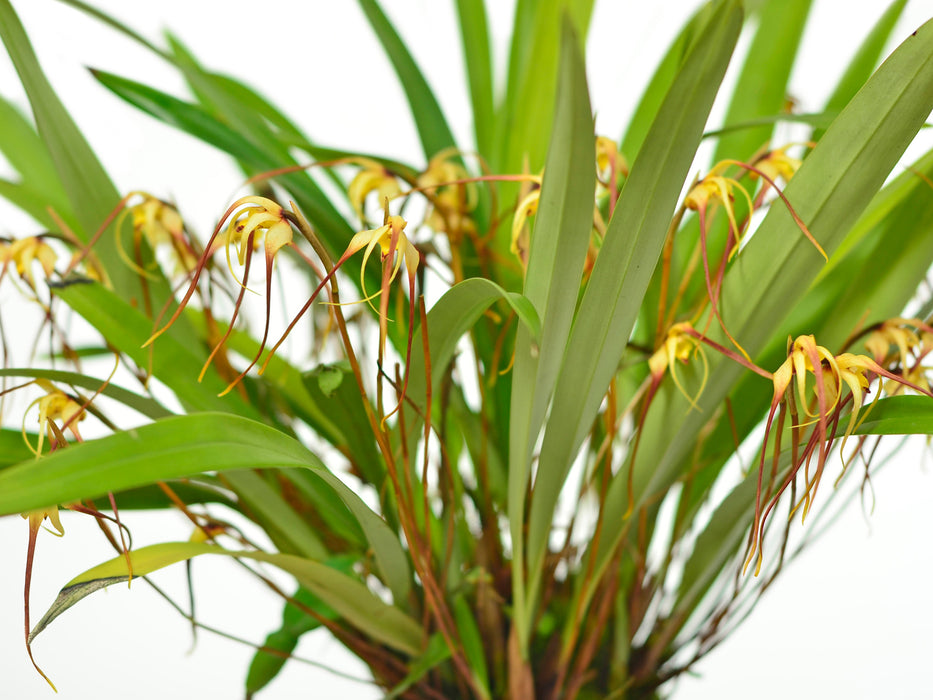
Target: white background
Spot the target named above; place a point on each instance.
(852, 618)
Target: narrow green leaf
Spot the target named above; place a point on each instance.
(557, 251)
(33, 202)
(819, 120)
(899, 415)
(265, 666)
(23, 149)
(433, 130)
(524, 120)
(188, 490)
(626, 261)
(190, 118)
(474, 36)
(114, 23)
(184, 446)
(350, 598)
(200, 123)
(330, 514)
(344, 406)
(13, 447)
(473, 644)
(717, 545)
(172, 448)
(265, 504)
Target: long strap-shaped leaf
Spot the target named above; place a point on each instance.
(185, 446)
(774, 271)
(555, 267)
(349, 597)
(474, 34)
(623, 269)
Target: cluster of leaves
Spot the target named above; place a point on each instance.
(586, 312)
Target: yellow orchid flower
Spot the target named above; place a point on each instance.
(23, 252)
(56, 405)
(390, 239)
(680, 344)
(895, 331)
(610, 163)
(247, 219)
(444, 171)
(528, 206)
(611, 166)
(776, 164)
(374, 177)
(833, 374)
(395, 249)
(449, 214)
(452, 194)
(160, 225)
(715, 187)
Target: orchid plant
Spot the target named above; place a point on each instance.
(505, 360)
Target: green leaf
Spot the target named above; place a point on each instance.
(295, 622)
(474, 36)
(556, 255)
(185, 446)
(524, 120)
(717, 545)
(114, 23)
(473, 644)
(13, 447)
(263, 502)
(433, 130)
(188, 490)
(24, 150)
(898, 415)
(349, 597)
(344, 406)
(190, 118)
(254, 157)
(625, 263)
(172, 448)
(819, 119)
(33, 202)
